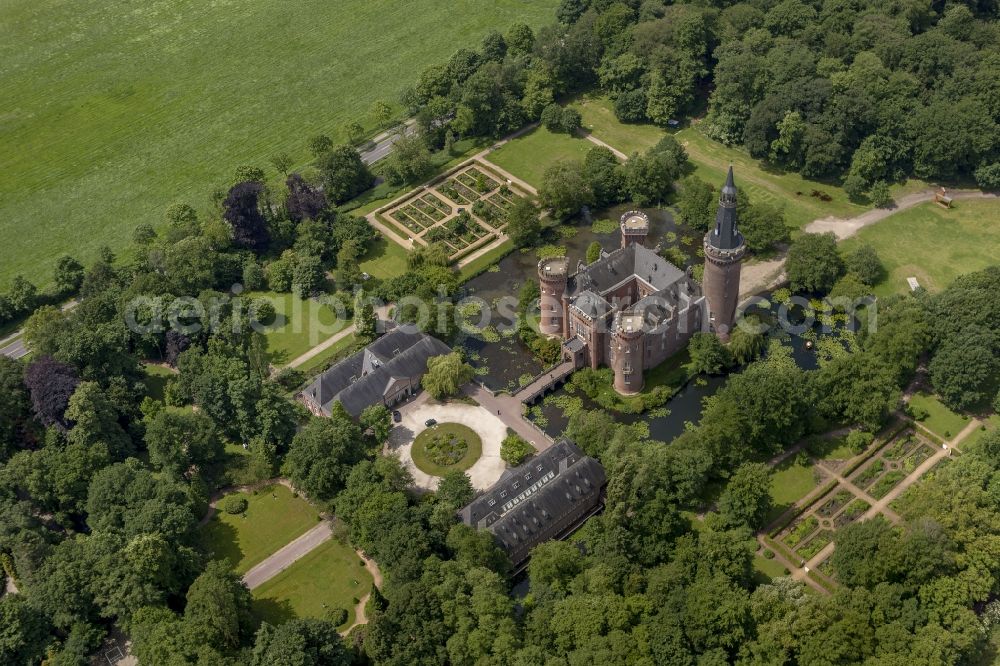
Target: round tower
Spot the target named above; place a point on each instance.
(725, 248)
(552, 276)
(626, 349)
(635, 227)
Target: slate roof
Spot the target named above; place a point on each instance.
(520, 503)
(363, 378)
(725, 235)
(633, 259)
(591, 304)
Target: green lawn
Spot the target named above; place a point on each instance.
(942, 421)
(112, 112)
(421, 456)
(328, 578)
(765, 570)
(478, 265)
(156, 380)
(272, 519)
(385, 260)
(324, 359)
(598, 117)
(300, 325)
(989, 425)
(790, 482)
(764, 184)
(529, 155)
(932, 244)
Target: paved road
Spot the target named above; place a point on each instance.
(16, 349)
(14, 346)
(384, 141)
(287, 555)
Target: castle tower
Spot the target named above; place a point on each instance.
(635, 228)
(626, 349)
(725, 248)
(552, 276)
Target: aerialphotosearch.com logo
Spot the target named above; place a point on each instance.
(322, 316)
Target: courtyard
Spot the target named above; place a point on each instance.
(484, 470)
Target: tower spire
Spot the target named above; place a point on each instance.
(726, 236)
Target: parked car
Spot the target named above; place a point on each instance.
(396, 416)
(430, 422)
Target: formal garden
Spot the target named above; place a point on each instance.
(463, 210)
(444, 447)
(850, 472)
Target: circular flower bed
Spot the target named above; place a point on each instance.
(445, 447)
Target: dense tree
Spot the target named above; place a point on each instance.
(708, 355)
(344, 174)
(94, 419)
(605, 175)
(523, 225)
(378, 420)
(965, 369)
(218, 607)
(747, 497)
(304, 201)
(51, 385)
(814, 263)
(446, 375)
(304, 642)
(68, 274)
(24, 632)
(514, 449)
(865, 263)
(180, 442)
(564, 189)
(322, 453)
(243, 213)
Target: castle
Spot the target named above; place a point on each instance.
(632, 309)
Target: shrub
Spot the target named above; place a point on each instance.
(337, 616)
(514, 450)
(858, 440)
(234, 505)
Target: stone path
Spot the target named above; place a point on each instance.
(510, 411)
(847, 227)
(383, 315)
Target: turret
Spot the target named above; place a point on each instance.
(553, 274)
(635, 228)
(626, 350)
(725, 248)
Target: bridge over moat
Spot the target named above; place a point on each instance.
(546, 382)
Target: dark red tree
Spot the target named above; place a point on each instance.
(304, 201)
(176, 343)
(242, 212)
(51, 384)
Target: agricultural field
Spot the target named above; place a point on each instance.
(273, 518)
(114, 112)
(329, 578)
(529, 155)
(932, 244)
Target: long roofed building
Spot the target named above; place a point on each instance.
(543, 499)
(385, 372)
